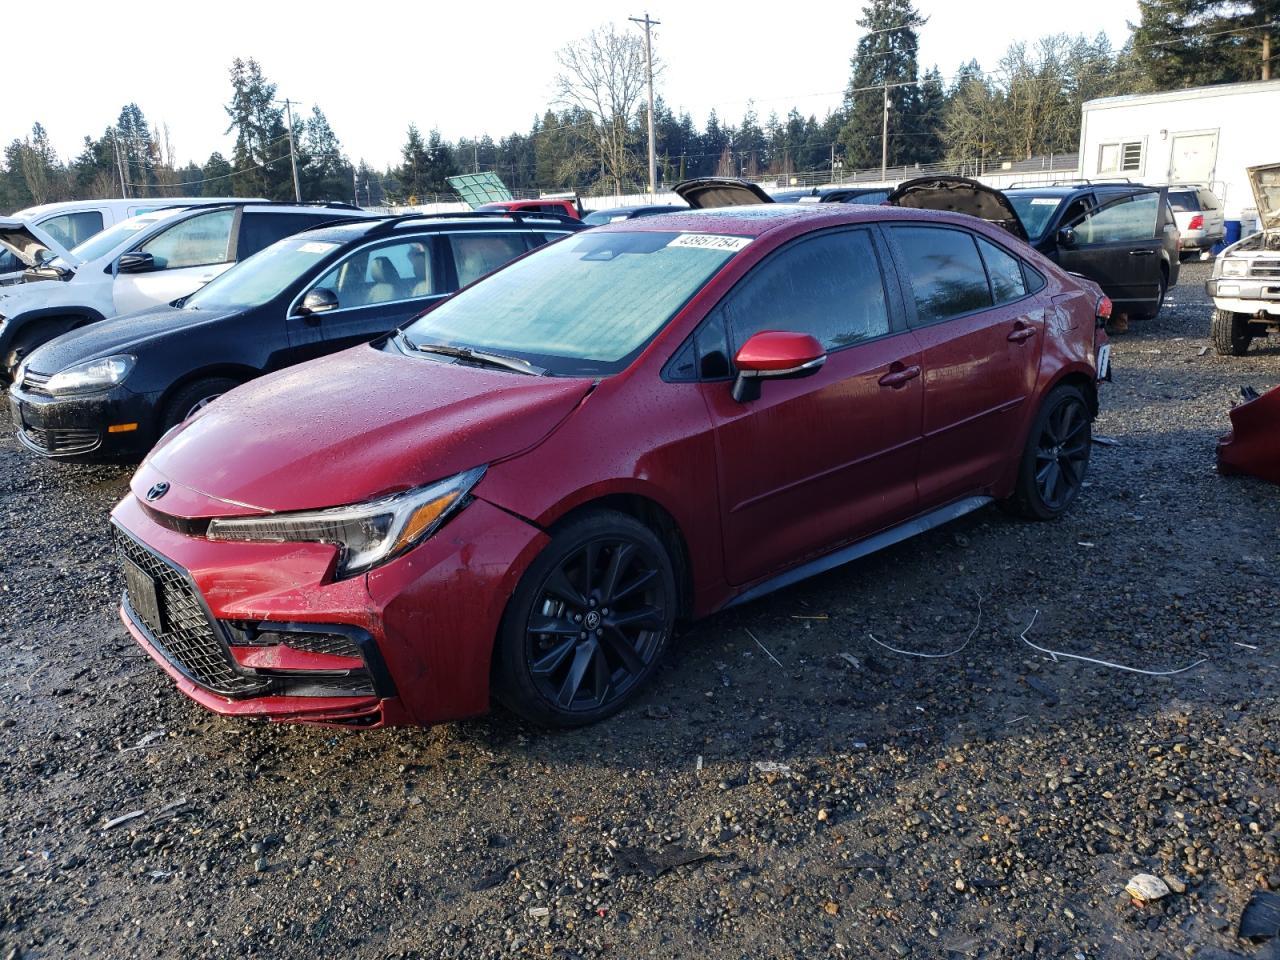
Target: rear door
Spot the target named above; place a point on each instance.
(825, 459)
(378, 287)
(187, 254)
(980, 328)
(1117, 244)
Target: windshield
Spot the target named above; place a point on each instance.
(1184, 201)
(261, 277)
(101, 244)
(1036, 213)
(584, 306)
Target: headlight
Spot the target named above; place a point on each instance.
(367, 533)
(92, 375)
(1235, 268)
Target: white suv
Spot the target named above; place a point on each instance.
(1198, 213)
(142, 262)
(1245, 285)
(63, 225)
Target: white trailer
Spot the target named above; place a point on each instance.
(1199, 135)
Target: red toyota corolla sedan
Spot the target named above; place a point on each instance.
(523, 492)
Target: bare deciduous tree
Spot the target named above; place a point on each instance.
(604, 75)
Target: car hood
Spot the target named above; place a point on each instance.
(124, 334)
(959, 195)
(705, 192)
(357, 425)
(1265, 181)
(26, 241)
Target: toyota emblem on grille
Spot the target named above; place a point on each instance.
(157, 491)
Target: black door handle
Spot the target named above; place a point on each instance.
(1142, 253)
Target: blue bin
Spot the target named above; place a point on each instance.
(1231, 234)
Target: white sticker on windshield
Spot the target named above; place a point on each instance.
(1044, 201)
(709, 241)
(316, 246)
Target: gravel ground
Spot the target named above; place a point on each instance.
(988, 803)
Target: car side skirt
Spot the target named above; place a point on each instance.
(855, 551)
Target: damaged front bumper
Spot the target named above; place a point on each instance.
(1253, 445)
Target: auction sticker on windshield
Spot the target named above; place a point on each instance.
(316, 246)
(709, 241)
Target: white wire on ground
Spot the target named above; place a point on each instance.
(1055, 654)
(936, 656)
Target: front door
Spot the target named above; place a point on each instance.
(980, 328)
(1117, 245)
(378, 288)
(186, 256)
(822, 460)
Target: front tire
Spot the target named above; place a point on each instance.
(1231, 335)
(588, 622)
(193, 397)
(1052, 469)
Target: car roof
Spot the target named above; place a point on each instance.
(1070, 189)
(431, 223)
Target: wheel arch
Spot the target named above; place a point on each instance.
(240, 372)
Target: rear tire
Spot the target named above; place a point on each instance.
(191, 398)
(588, 622)
(1231, 334)
(1055, 460)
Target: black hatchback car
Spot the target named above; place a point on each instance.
(108, 391)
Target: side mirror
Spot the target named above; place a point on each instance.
(319, 300)
(1066, 237)
(136, 262)
(775, 355)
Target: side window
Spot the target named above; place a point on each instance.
(481, 252)
(9, 263)
(1127, 219)
(194, 242)
(72, 229)
(538, 239)
(1075, 209)
(828, 286)
(1005, 272)
(260, 230)
(946, 274)
(395, 271)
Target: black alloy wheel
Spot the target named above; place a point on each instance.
(1056, 458)
(588, 622)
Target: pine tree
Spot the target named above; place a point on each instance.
(261, 154)
(216, 175)
(323, 171)
(1187, 43)
(886, 54)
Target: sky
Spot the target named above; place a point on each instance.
(467, 69)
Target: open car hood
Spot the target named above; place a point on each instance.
(1265, 180)
(27, 242)
(705, 192)
(959, 195)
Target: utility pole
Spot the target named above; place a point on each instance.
(648, 56)
(293, 154)
(355, 187)
(1266, 53)
(115, 145)
(884, 134)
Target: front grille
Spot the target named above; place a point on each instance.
(36, 383)
(189, 640)
(1267, 269)
(62, 440)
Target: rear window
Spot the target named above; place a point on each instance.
(1183, 201)
(1208, 201)
(73, 229)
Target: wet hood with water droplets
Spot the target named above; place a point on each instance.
(354, 426)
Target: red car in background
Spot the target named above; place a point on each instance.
(526, 489)
(566, 208)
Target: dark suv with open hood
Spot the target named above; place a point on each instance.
(109, 390)
(1120, 235)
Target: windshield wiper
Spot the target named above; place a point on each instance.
(477, 356)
